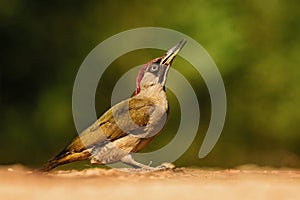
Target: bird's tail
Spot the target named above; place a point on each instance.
(64, 158)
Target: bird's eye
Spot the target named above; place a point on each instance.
(153, 68)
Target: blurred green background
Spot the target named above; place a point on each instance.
(255, 44)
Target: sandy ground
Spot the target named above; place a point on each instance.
(181, 183)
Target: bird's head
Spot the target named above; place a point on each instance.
(156, 71)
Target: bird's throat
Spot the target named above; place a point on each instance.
(156, 94)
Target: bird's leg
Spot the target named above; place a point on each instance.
(128, 159)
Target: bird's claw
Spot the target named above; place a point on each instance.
(161, 167)
(165, 166)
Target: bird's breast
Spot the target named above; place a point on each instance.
(157, 95)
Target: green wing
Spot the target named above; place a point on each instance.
(106, 127)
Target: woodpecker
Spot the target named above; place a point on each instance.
(128, 126)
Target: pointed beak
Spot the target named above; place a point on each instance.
(171, 54)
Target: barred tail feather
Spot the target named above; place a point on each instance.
(66, 157)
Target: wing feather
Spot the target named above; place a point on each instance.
(107, 127)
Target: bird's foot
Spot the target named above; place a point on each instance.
(166, 166)
(146, 168)
(139, 167)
